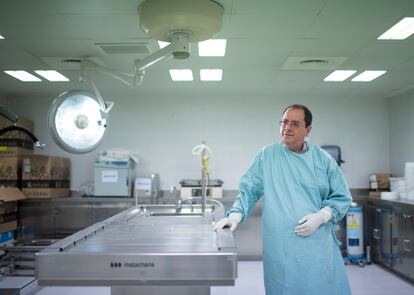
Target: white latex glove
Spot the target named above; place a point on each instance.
(311, 222)
(232, 221)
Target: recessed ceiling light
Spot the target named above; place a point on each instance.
(181, 75)
(400, 31)
(1, 37)
(211, 74)
(52, 75)
(339, 75)
(213, 47)
(163, 44)
(367, 76)
(23, 76)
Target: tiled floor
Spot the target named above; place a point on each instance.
(368, 280)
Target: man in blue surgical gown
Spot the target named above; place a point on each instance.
(305, 194)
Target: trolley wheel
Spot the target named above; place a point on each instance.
(361, 263)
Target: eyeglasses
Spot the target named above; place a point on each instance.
(293, 124)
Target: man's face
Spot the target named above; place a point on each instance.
(293, 130)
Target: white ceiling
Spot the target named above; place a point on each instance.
(262, 35)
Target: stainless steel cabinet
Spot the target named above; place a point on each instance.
(379, 221)
(403, 233)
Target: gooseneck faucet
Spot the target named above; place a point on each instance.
(204, 178)
(174, 193)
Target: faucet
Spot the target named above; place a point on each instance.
(188, 201)
(174, 192)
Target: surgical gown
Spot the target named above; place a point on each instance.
(294, 185)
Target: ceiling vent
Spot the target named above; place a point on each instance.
(313, 63)
(124, 48)
(68, 62)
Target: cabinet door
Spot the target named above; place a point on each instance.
(379, 233)
(408, 245)
(404, 256)
(372, 231)
(385, 217)
(398, 236)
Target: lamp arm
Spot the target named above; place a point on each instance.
(87, 64)
(141, 65)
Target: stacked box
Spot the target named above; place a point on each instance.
(11, 172)
(378, 182)
(45, 177)
(16, 143)
(8, 208)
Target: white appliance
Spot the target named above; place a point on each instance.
(113, 179)
(192, 188)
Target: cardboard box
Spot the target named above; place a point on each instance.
(379, 181)
(11, 172)
(376, 195)
(45, 177)
(8, 202)
(16, 143)
(8, 226)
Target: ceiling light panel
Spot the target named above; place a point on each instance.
(52, 75)
(23, 76)
(1, 37)
(339, 75)
(181, 75)
(211, 74)
(163, 44)
(213, 47)
(400, 31)
(367, 76)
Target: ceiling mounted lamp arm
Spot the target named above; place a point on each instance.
(87, 64)
(179, 48)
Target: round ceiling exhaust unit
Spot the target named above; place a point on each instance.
(201, 19)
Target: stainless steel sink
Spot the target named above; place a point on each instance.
(175, 214)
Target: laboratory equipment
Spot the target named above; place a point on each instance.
(192, 188)
(113, 179)
(355, 234)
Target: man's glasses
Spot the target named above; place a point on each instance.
(293, 124)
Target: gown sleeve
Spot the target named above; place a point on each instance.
(251, 188)
(339, 198)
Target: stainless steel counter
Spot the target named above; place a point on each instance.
(147, 245)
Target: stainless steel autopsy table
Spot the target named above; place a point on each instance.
(148, 249)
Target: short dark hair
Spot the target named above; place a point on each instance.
(308, 114)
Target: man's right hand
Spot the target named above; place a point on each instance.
(232, 221)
